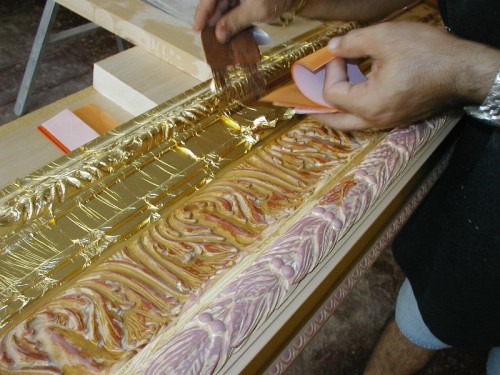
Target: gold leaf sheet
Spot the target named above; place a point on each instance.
(57, 221)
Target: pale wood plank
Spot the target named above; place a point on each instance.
(163, 35)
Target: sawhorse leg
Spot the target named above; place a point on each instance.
(48, 17)
(42, 38)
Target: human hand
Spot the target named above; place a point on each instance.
(418, 71)
(230, 16)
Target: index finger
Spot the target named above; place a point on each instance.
(357, 43)
(204, 11)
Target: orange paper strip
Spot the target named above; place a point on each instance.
(305, 94)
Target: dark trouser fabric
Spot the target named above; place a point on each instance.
(450, 248)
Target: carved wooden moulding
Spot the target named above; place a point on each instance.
(161, 246)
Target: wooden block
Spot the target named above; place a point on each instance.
(138, 81)
(163, 35)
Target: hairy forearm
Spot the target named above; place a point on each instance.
(352, 10)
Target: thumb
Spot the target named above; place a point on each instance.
(339, 92)
(234, 21)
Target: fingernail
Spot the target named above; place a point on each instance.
(222, 33)
(334, 43)
(224, 36)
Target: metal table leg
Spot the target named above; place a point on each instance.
(43, 36)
